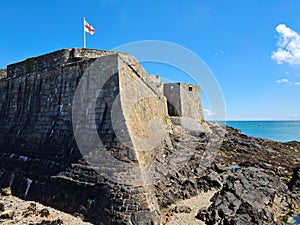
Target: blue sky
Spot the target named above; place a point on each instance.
(252, 47)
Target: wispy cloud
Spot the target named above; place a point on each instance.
(207, 112)
(286, 81)
(288, 50)
(221, 52)
(282, 81)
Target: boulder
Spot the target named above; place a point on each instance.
(201, 215)
(182, 209)
(248, 196)
(210, 181)
(44, 212)
(294, 184)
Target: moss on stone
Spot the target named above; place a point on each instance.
(29, 64)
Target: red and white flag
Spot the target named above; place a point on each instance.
(88, 28)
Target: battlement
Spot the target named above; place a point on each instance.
(53, 60)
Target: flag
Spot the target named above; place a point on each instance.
(88, 28)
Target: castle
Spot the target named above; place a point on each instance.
(54, 110)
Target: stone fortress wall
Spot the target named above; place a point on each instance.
(39, 149)
(2, 73)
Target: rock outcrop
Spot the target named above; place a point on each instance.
(294, 186)
(245, 195)
(294, 183)
(249, 196)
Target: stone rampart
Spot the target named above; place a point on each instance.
(39, 147)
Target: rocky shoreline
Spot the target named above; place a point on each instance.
(246, 196)
(263, 187)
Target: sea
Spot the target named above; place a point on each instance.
(282, 131)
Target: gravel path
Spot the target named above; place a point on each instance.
(194, 203)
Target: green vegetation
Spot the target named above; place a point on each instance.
(286, 217)
(286, 179)
(167, 120)
(162, 206)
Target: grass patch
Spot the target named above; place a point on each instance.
(162, 206)
(286, 179)
(167, 120)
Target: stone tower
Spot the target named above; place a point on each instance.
(184, 100)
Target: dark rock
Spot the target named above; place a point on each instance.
(2, 207)
(6, 191)
(142, 218)
(210, 181)
(32, 207)
(182, 209)
(44, 212)
(294, 184)
(202, 214)
(249, 196)
(8, 214)
(249, 151)
(31, 210)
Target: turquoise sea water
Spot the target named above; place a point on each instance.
(295, 220)
(274, 130)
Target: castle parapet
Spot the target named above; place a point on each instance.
(53, 60)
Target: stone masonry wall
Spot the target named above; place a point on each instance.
(191, 101)
(3, 73)
(184, 100)
(53, 60)
(37, 140)
(145, 112)
(158, 83)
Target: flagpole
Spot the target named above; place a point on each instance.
(84, 35)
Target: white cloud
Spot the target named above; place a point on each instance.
(221, 52)
(207, 112)
(282, 81)
(288, 50)
(286, 81)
